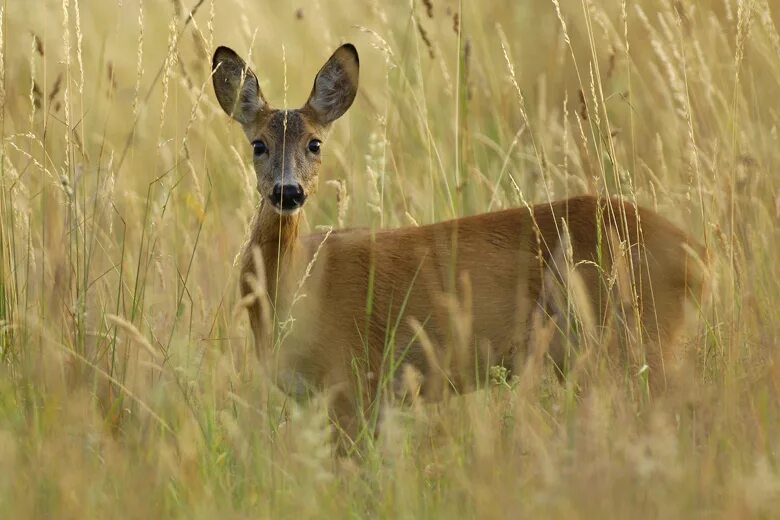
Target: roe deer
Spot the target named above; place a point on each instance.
(378, 300)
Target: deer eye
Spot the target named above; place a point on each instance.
(314, 146)
(259, 147)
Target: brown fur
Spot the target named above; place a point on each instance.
(504, 261)
(353, 312)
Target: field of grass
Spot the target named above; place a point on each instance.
(128, 382)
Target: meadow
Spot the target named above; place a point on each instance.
(128, 382)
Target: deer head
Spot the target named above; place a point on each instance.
(286, 143)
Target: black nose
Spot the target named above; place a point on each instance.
(288, 196)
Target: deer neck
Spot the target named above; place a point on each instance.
(277, 237)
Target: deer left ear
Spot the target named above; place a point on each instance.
(236, 86)
(335, 85)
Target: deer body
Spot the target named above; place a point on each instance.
(364, 286)
(356, 305)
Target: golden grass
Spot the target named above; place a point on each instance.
(129, 386)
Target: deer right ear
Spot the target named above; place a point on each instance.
(335, 85)
(236, 86)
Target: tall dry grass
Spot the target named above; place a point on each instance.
(128, 383)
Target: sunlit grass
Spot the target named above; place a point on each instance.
(129, 384)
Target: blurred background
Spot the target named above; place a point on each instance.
(126, 193)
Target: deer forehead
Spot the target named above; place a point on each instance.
(291, 125)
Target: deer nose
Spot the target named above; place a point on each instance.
(288, 196)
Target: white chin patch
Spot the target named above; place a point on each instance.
(286, 212)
